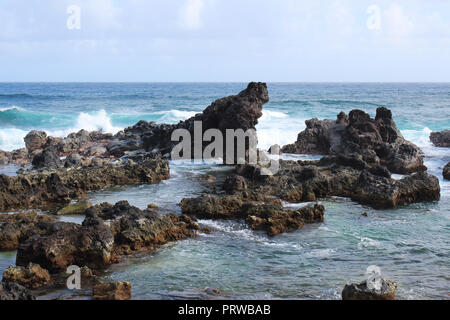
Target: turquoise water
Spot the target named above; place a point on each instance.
(411, 244)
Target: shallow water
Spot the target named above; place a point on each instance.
(411, 244)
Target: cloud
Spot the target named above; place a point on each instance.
(191, 14)
(397, 23)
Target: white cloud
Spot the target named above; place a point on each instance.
(397, 23)
(191, 14)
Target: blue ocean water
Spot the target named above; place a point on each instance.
(410, 244)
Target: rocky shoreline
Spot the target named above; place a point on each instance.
(360, 155)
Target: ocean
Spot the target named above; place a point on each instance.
(410, 244)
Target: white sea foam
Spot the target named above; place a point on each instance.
(276, 127)
(320, 253)
(11, 108)
(12, 138)
(175, 115)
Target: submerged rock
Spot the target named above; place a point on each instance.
(362, 292)
(49, 188)
(31, 277)
(75, 208)
(17, 228)
(374, 141)
(441, 139)
(14, 291)
(112, 291)
(265, 214)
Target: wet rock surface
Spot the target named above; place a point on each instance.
(106, 233)
(360, 291)
(31, 277)
(13, 291)
(112, 291)
(47, 188)
(375, 141)
(441, 139)
(303, 181)
(16, 228)
(446, 172)
(259, 213)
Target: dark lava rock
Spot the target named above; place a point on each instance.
(106, 233)
(73, 160)
(441, 139)
(47, 159)
(14, 291)
(240, 111)
(16, 228)
(112, 291)
(446, 172)
(234, 183)
(35, 189)
(88, 245)
(31, 277)
(268, 214)
(376, 141)
(35, 140)
(362, 292)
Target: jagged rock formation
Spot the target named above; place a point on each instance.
(106, 233)
(375, 141)
(13, 291)
(36, 189)
(240, 111)
(260, 213)
(31, 277)
(16, 228)
(302, 181)
(112, 291)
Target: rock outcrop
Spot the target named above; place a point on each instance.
(240, 111)
(265, 214)
(441, 139)
(106, 233)
(71, 244)
(50, 188)
(112, 291)
(374, 141)
(31, 277)
(303, 181)
(13, 291)
(16, 228)
(446, 172)
(360, 291)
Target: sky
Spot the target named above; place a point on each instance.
(225, 40)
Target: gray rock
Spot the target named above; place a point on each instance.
(47, 159)
(35, 140)
(361, 291)
(441, 139)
